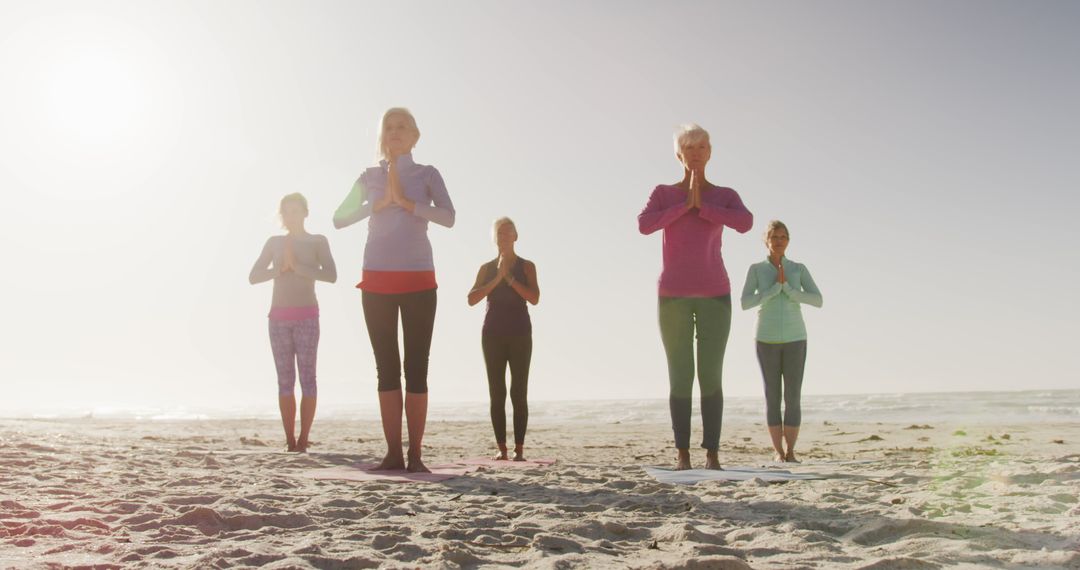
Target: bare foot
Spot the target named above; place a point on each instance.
(301, 446)
(416, 466)
(712, 461)
(682, 461)
(501, 456)
(518, 456)
(790, 457)
(290, 446)
(778, 457)
(392, 462)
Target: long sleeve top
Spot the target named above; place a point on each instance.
(397, 239)
(780, 317)
(295, 288)
(693, 265)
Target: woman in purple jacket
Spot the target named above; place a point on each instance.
(399, 198)
(694, 290)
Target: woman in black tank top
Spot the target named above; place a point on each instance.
(507, 282)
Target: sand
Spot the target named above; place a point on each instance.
(220, 494)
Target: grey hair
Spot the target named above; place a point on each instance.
(689, 134)
(409, 118)
(498, 224)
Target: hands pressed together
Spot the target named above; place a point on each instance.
(288, 262)
(395, 195)
(503, 272)
(483, 287)
(693, 195)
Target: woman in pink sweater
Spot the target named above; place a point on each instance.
(694, 290)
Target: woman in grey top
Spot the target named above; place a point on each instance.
(295, 261)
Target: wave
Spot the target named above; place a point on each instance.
(958, 407)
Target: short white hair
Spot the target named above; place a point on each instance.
(688, 134)
(383, 154)
(500, 223)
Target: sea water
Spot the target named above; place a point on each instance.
(1034, 406)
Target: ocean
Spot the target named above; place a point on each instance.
(1032, 406)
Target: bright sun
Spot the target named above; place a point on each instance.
(94, 97)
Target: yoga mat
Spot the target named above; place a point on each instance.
(363, 472)
(692, 476)
(832, 462)
(817, 462)
(506, 463)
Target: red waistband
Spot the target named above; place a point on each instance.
(391, 282)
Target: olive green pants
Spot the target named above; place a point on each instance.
(710, 319)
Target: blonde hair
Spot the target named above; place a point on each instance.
(773, 226)
(498, 224)
(409, 118)
(294, 197)
(689, 134)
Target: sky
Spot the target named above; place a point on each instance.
(923, 155)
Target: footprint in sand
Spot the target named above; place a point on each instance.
(555, 543)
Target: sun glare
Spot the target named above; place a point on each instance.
(95, 99)
(99, 100)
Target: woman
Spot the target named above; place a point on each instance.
(295, 261)
(695, 294)
(507, 282)
(400, 197)
(778, 285)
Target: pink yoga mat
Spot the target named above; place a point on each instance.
(508, 464)
(363, 472)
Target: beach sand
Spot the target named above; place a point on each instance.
(220, 494)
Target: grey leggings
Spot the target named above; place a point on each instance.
(785, 360)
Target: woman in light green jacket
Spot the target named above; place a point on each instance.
(779, 285)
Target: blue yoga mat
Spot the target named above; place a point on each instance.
(691, 476)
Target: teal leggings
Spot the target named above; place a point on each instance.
(711, 318)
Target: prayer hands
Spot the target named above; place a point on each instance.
(504, 268)
(288, 257)
(395, 194)
(693, 196)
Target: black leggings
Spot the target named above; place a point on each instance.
(417, 321)
(498, 352)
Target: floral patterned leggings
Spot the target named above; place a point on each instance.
(295, 344)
